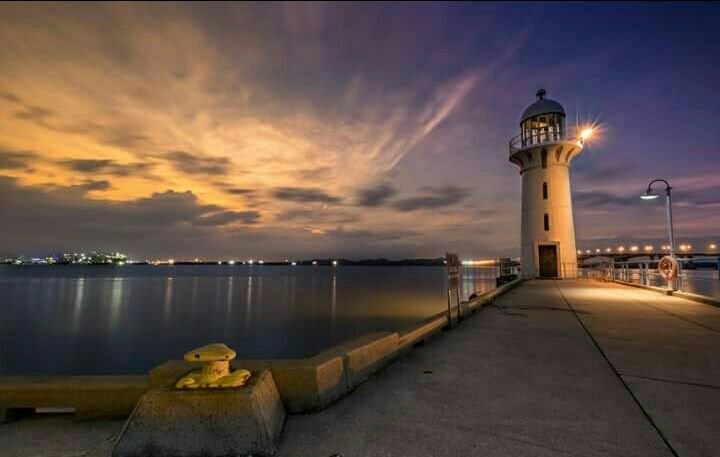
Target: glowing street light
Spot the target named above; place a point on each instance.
(648, 248)
(608, 249)
(713, 246)
(649, 195)
(621, 249)
(586, 133)
(634, 248)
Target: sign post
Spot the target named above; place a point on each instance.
(453, 271)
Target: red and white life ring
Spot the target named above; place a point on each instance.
(668, 268)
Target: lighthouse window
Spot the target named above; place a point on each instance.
(547, 222)
(543, 158)
(545, 191)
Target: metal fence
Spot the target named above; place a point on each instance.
(645, 272)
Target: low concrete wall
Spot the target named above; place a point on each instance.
(90, 396)
(305, 385)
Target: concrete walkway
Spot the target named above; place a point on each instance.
(554, 368)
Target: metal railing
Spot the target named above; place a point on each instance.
(519, 142)
(646, 272)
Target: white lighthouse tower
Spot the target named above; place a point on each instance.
(543, 150)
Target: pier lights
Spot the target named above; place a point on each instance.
(649, 195)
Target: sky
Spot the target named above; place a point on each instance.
(301, 130)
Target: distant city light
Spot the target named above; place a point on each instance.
(261, 262)
(334, 262)
(231, 262)
(621, 249)
(597, 250)
(250, 262)
(294, 263)
(478, 262)
(587, 251)
(314, 262)
(634, 248)
(608, 249)
(579, 251)
(685, 247)
(713, 246)
(171, 261)
(648, 248)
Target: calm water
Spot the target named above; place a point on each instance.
(104, 319)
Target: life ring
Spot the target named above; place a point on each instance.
(668, 267)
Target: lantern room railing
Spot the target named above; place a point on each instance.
(520, 141)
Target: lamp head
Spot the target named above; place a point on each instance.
(649, 195)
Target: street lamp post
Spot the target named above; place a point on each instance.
(648, 195)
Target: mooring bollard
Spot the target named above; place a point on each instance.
(211, 412)
(215, 369)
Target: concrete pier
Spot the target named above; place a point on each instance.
(551, 368)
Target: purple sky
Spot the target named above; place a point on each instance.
(309, 130)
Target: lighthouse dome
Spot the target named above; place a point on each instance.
(542, 106)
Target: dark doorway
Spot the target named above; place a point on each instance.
(548, 261)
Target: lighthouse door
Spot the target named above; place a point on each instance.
(548, 261)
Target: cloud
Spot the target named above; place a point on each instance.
(227, 217)
(107, 166)
(375, 235)
(309, 216)
(193, 164)
(90, 185)
(597, 199)
(240, 191)
(12, 160)
(435, 198)
(375, 196)
(304, 195)
(313, 174)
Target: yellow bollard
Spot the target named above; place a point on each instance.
(215, 369)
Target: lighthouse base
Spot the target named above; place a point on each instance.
(548, 260)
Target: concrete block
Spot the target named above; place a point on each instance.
(419, 333)
(308, 385)
(366, 355)
(209, 422)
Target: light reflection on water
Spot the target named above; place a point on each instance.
(101, 320)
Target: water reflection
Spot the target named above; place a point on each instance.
(115, 303)
(167, 302)
(248, 302)
(148, 314)
(78, 304)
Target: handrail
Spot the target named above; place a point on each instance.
(518, 142)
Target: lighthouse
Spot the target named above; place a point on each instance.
(544, 150)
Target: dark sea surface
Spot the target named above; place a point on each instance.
(129, 319)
